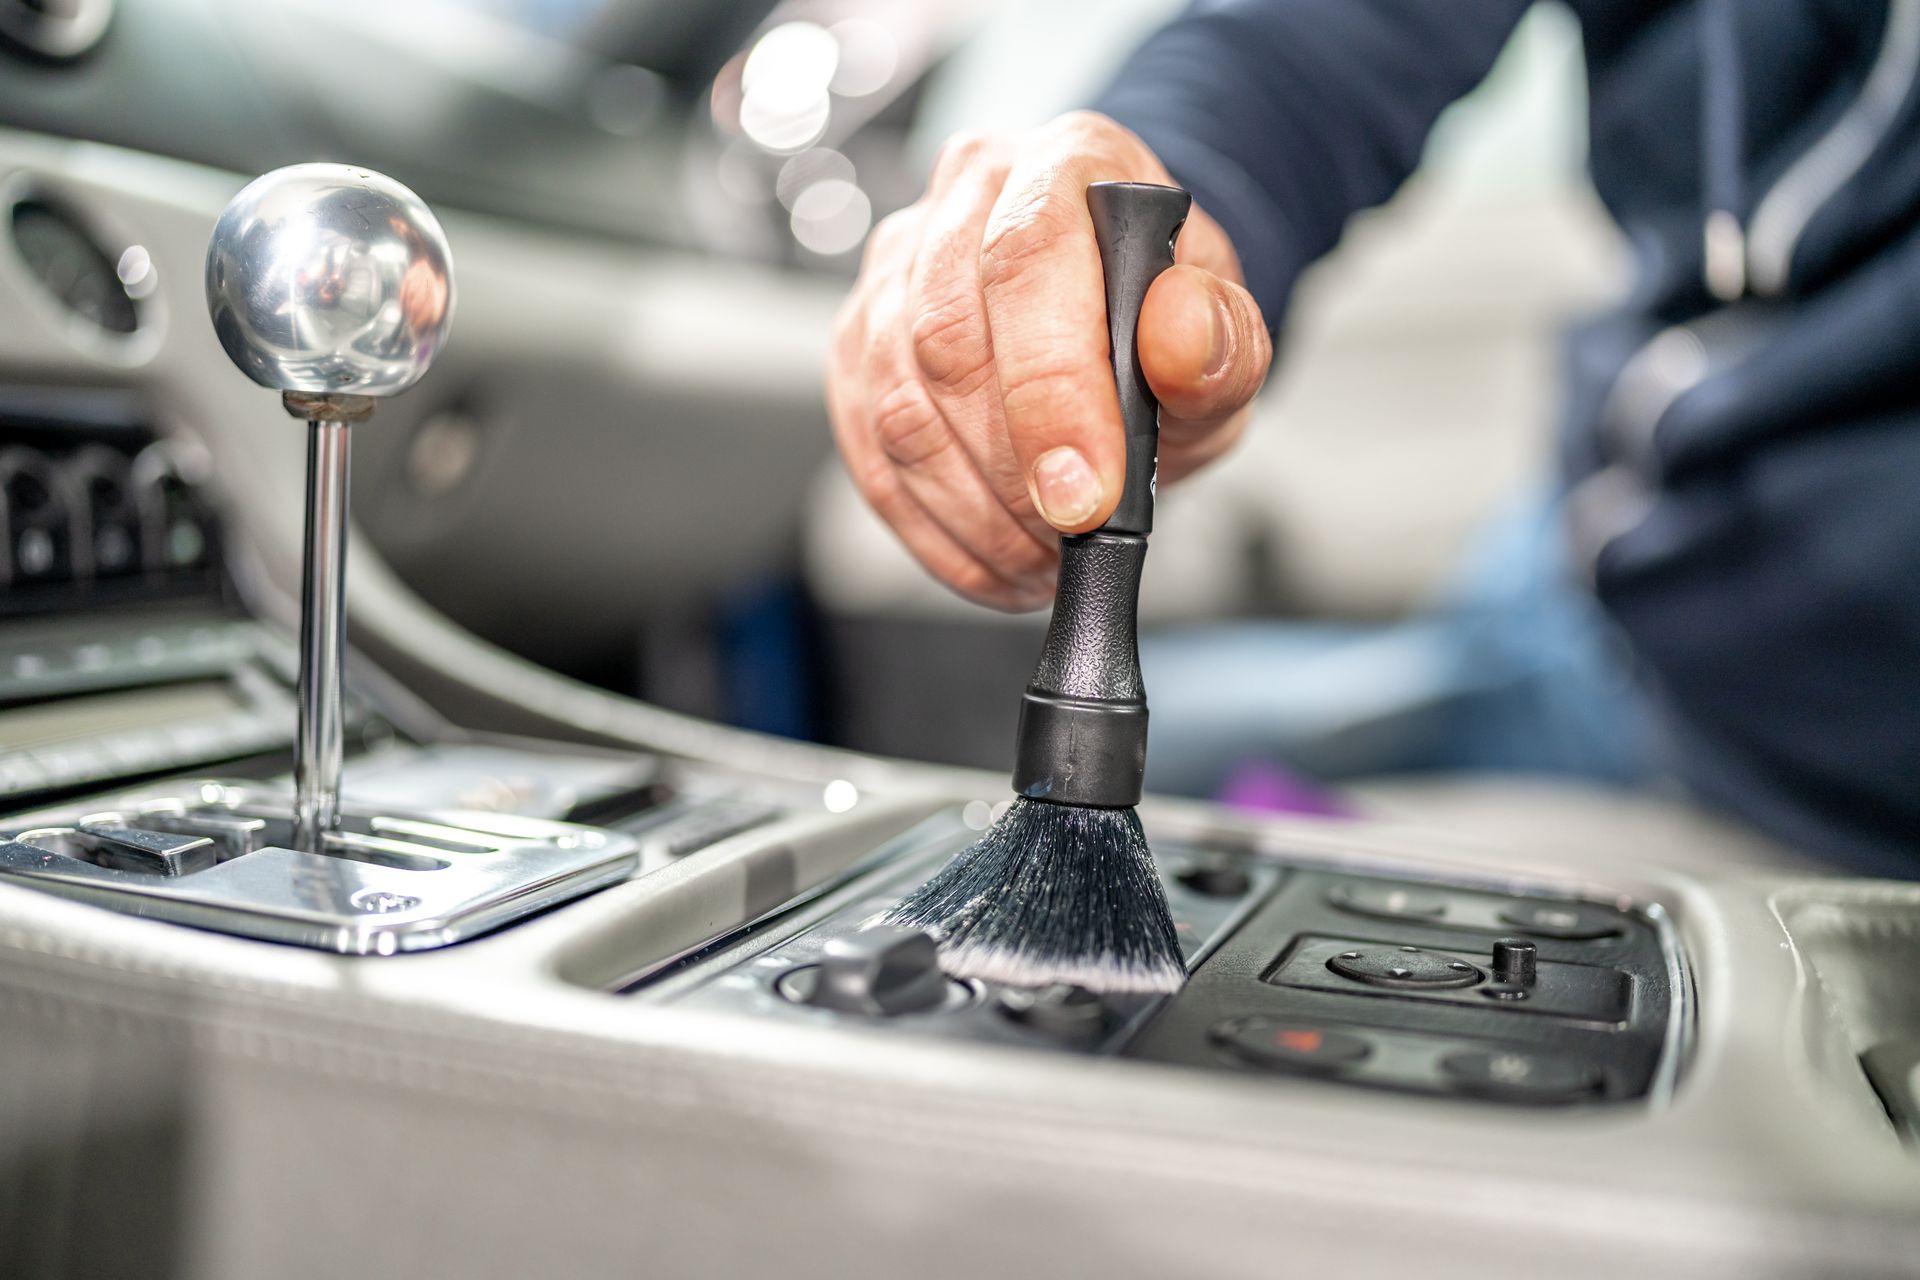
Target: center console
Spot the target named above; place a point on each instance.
(1296, 970)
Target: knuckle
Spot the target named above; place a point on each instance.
(1090, 133)
(1083, 125)
(961, 151)
(951, 345)
(1020, 238)
(909, 429)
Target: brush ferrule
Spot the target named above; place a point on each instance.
(1073, 751)
(1083, 722)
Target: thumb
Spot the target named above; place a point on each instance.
(1203, 345)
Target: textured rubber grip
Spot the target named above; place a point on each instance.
(1083, 721)
(1135, 225)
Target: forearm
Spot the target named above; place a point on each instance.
(1285, 117)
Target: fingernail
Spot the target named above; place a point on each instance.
(1064, 487)
(1217, 345)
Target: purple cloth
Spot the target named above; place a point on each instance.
(1261, 786)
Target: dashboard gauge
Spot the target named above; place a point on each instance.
(70, 264)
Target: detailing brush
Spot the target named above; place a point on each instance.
(1063, 888)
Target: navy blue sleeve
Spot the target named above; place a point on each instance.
(1285, 117)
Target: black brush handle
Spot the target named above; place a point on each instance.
(1083, 722)
(1135, 225)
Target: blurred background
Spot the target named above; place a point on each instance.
(658, 510)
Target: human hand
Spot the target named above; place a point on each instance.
(969, 381)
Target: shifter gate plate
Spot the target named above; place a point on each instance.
(221, 856)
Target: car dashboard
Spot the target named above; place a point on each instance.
(580, 985)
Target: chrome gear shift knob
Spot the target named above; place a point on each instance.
(326, 278)
(331, 285)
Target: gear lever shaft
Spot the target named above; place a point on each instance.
(332, 285)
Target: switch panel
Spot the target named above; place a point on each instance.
(1459, 975)
(1294, 973)
(1456, 990)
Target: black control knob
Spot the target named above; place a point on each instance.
(1215, 877)
(881, 970)
(1515, 961)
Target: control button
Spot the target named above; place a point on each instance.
(1062, 1009)
(1215, 877)
(1298, 1046)
(1561, 920)
(1405, 967)
(1515, 961)
(1519, 1075)
(881, 971)
(1389, 902)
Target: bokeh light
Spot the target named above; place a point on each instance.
(869, 55)
(831, 216)
(786, 104)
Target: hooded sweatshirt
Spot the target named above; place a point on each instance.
(1740, 451)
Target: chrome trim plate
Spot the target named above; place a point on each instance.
(222, 856)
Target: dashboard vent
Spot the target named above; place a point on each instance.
(59, 29)
(70, 264)
(95, 512)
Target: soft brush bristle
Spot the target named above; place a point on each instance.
(1053, 893)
